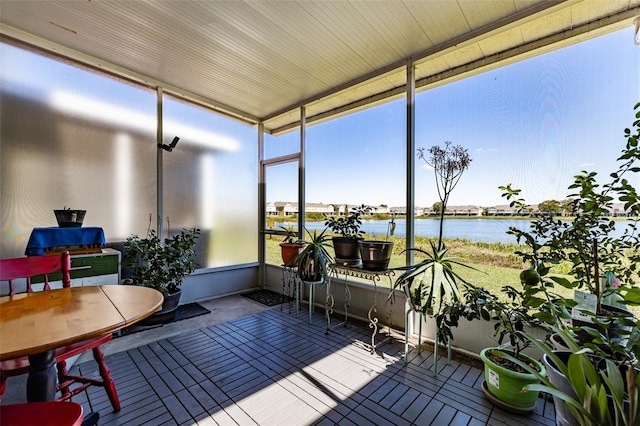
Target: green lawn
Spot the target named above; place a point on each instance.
(495, 263)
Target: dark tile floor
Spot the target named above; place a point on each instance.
(273, 368)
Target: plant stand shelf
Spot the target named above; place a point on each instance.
(436, 344)
(312, 295)
(374, 277)
(290, 279)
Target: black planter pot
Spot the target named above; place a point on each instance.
(69, 218)
(308, 271)
(347, 252)
(375, 255)
(166, 313)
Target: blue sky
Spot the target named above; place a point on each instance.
(535, 124)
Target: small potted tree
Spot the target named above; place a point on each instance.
(504, 378)
(346, 245)
(601, 257)
(431, 286)
(161, 264)
(604, 268)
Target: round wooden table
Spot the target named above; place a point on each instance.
(35, 324)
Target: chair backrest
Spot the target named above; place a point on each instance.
(31, 266)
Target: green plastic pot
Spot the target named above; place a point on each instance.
(506, 385)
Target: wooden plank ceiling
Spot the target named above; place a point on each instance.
(261, 60)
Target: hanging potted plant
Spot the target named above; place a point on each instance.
(161, 264)
(291, 246)
(345, 245)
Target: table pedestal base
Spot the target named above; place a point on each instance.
(41, 383)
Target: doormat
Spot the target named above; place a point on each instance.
(186, 311)
(267, 297)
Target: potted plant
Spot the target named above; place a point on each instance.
(346, 246)
(431, 286)
(504, 378)
(161, 264)
(68, 218)
(603, 267)
(291, 246)
(314, 259)
(377, 254)
(587, 391)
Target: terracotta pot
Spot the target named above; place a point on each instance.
(290, 251)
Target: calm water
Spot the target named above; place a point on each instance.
(489, 230)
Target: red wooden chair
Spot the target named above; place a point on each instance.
(41, 414)
(19, 272)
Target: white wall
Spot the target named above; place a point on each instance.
(209, 284)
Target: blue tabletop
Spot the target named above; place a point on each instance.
(42, 238)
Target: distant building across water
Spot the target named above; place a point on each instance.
(287, 208)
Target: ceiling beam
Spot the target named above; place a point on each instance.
(576, 34)
(472, 36)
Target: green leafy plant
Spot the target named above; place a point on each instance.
(432, 284)
(511, 315)
(159, 263)
(601, 393)
(291, 236)
(348, 226)
(314, 259)
(599, 262)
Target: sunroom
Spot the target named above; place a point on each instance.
(299, 104)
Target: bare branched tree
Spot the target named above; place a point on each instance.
(448, 164)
